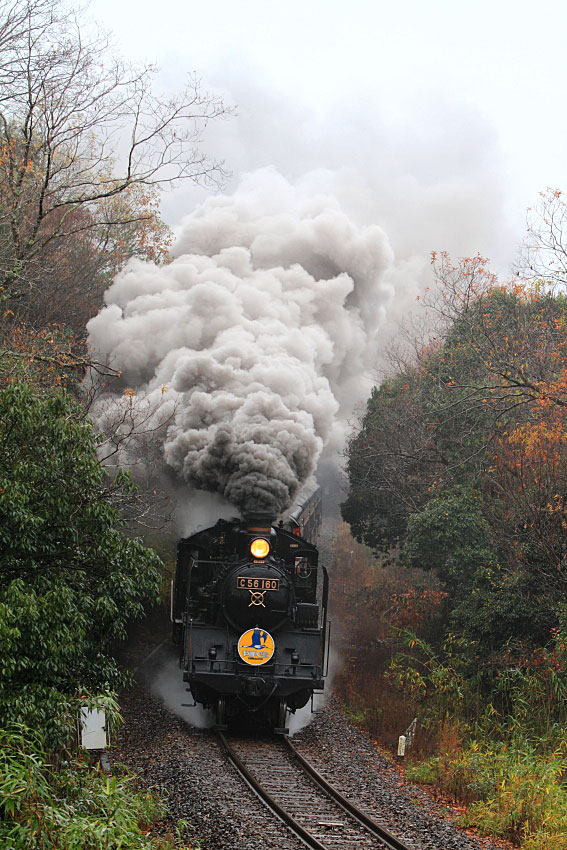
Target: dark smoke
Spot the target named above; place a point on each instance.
(249, 350)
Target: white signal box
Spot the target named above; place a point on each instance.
(93, 733)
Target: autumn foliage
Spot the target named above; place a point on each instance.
(460, 465)
(86, 143)
(460, 458)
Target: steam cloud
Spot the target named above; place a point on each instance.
(248, 351)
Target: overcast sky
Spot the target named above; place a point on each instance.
(440, 121)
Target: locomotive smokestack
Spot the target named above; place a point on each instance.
(258, 523)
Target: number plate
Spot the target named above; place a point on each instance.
(249, 583)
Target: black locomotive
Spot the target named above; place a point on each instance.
(249, 608)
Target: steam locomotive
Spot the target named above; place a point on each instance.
(249, 610)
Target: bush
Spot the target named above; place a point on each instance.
(518, 792)
(74, 808)
(70, 580)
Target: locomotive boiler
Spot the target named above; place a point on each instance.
(249, 610)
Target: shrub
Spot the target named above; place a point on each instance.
(518, 793)
(73, 808)
(70, 580)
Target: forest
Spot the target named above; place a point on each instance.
(457, 485)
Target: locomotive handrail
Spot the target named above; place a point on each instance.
(326, 632)
(275, 668)
(328, 646)
(221, 561)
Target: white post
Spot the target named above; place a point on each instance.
(401, 746)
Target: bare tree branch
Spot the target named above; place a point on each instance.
(79, 127)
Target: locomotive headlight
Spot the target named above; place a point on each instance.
(259, 548)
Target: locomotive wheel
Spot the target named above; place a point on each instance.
(281, 713)
(221, 724)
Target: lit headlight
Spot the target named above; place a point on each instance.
(259, 548)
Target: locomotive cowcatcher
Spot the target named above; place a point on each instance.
(249, 609)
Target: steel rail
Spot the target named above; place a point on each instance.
(389, 841)
(379, 831)
(309, 839)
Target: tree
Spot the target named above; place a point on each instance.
(531, 516)
(451, 537)
(425, 428)
(499, 361)
(67, 105)
(543, 257)
(515, 335)
(70, 578)
(76, 271)
(391, 461)
(483, 411)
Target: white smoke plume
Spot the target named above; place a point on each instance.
(248, 351)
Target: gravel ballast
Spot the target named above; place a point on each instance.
(202, 788)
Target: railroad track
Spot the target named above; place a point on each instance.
(303, 799)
